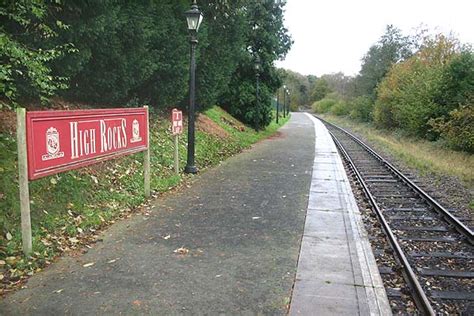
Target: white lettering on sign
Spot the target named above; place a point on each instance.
(113, 137)
(84, 140)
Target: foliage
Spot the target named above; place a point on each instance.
(267, 40)
(407, 95)
(25, 60)
(320, 90)
(458, 129)
(458, 81)
(299, 87)
(323, 105)
(361, 109)
(340, 108)
(392, 48)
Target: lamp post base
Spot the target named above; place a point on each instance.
(190, 169)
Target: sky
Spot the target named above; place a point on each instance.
(333, 35)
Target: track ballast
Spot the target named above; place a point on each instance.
(433, 248)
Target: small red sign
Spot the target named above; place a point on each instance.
(176, 122)
(58, 141)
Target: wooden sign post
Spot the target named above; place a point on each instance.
(176, 130)
(51, 142)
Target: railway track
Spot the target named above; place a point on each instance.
(433, 249)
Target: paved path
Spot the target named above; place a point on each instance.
(242, 223)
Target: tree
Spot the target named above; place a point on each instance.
(320, 90)
(265, 37)
(24, 53)
(392, 48)
(407, 96)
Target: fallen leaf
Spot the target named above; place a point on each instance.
(94, 178)
(167, 237)
(9, 236)
(53, 181)
(113, 260)
(90, 264)
(10, 260)
(137, 303)
(181, 251)
(1, 277)
(74, 240)
(58, 291)
(79, 230)
(2, 263)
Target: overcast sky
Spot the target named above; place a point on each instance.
(333, 35)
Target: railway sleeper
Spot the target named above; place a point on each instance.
(452, 295)
(406, 209)
(446, 273)
(422, 228)
(447, 255)
(429, 239)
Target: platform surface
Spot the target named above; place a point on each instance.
(243, 224)
(337, 273)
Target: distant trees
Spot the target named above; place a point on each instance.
(421, 85)
(392, 48)
(129, 52)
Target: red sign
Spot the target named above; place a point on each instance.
(63, 140)
(176, 122)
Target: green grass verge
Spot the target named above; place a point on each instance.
(67, 209)
(427, 157)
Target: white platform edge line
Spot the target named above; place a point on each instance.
(377, 297)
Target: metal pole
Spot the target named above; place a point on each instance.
(284, 103)
(257, 75)
(278, 106)
(23, 178)
(146, 162)
(190, 167)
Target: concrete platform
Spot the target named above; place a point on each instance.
(337, 272)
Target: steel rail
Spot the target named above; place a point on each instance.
(419, 296)
(457, 224)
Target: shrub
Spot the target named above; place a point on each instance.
(406, 98)
(323, 105)
(458, 130)
(341, 108)
(361, 109)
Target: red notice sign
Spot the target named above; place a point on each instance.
(176, 122)
(63, 140)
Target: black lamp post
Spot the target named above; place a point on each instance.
(194, 18)
(284, 100)
(257, 76)
(278, 105)
(289, 100)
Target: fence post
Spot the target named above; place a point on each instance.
(23, 178)
(146, 162)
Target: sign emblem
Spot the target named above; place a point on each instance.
(52, 145)
(135, 132)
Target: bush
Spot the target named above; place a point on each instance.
(323, 105)
(458, 130)
(341, 108)
(406, 98)
(361, 109)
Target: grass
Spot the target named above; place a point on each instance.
(68, 209)
(425, 156)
